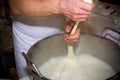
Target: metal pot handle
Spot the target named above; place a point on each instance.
(34, 68)
(111, 34)
(115, 77)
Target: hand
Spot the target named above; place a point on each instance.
(71, 39)
(77, 10)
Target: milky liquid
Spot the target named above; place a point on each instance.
(86, 67)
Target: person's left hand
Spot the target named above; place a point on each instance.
(71, 39)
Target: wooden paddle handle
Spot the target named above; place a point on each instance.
(74, 28)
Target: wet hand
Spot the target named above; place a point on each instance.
(71, 39)
(77, 10)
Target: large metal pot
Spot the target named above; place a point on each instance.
(94, 45)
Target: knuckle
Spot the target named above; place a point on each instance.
(75, 11)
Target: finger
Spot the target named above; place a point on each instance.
(69, 26)
(76, 35)
(78, 17)
(87, 6)
(80, 11)
(71, 39)
(70, 42)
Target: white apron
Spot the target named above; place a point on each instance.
(27, 31)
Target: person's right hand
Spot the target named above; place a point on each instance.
(77, 10)
(71, 39)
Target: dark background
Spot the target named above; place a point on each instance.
(115, 2)
(7, 60)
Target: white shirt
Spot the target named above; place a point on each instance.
(27, 31)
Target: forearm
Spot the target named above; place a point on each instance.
(34, 8)
(77, 10)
